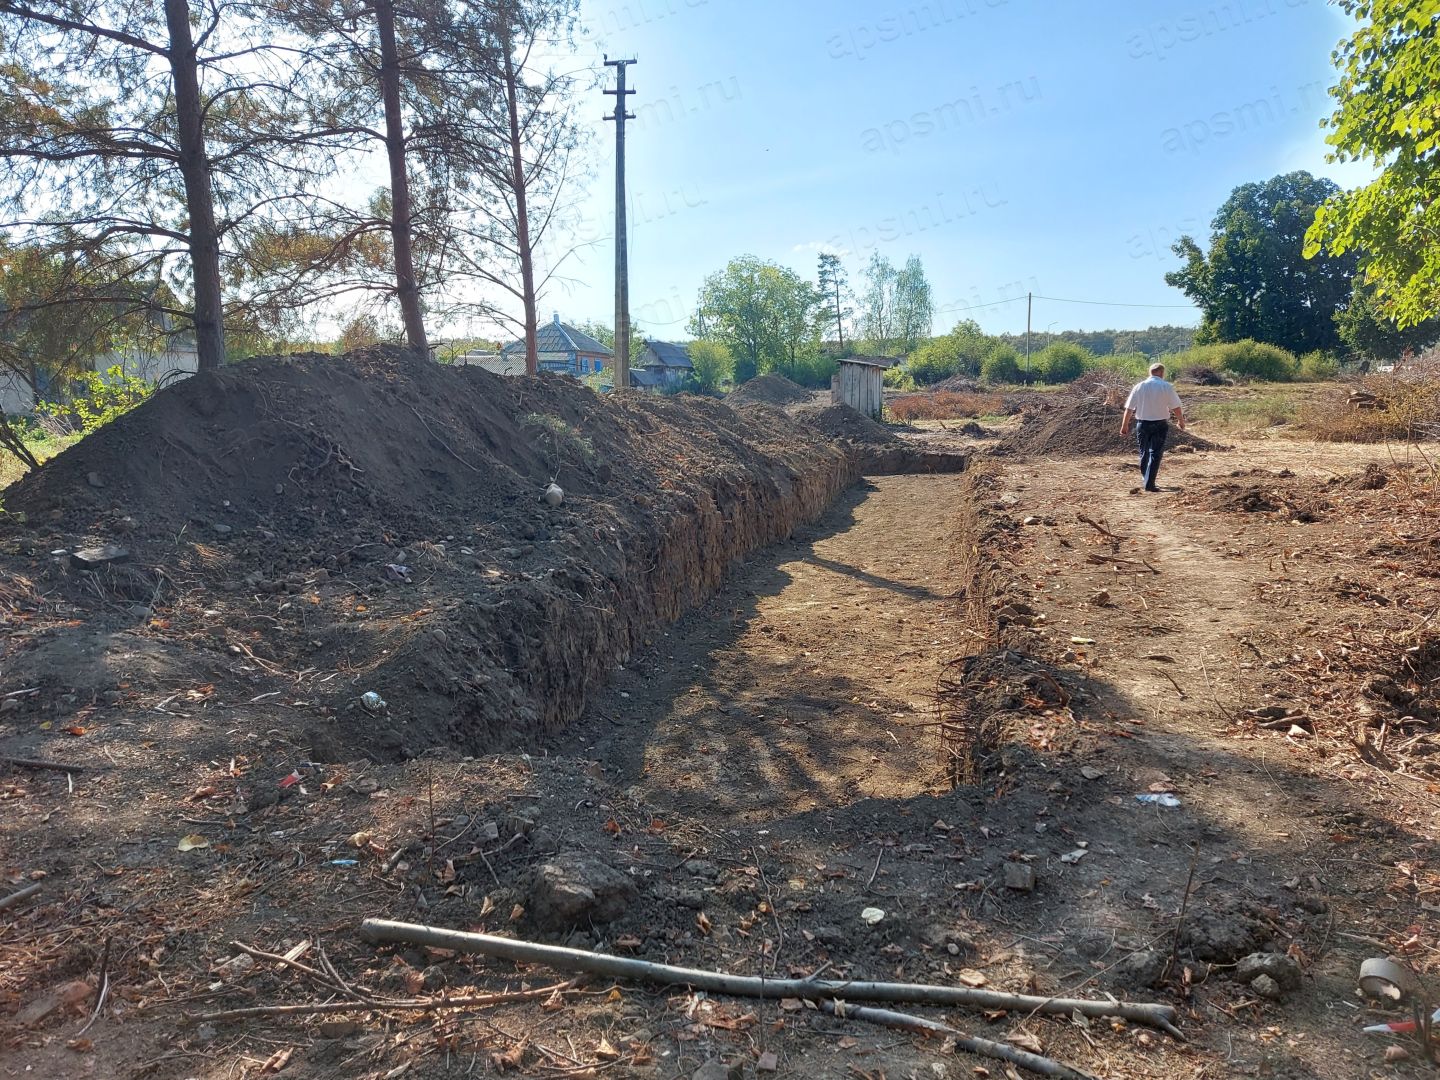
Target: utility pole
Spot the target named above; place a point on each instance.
(622, 254)
(1029, 297)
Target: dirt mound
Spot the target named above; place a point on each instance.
(769, 390)
(1293, 503)
(368, 522)
(957, 384)
(843, 423)
(1087, 427)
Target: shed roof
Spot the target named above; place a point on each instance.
(881, 362)
(641, 377)
(670, 354)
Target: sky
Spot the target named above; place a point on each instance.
(1050, 146)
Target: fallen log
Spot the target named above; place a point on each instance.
(379, 931)
(1035, 1063)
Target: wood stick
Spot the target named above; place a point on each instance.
(1035, 1063)
(463, 1002)
(379, 931)
(34, 763)
(22, 894)
(1098, 527)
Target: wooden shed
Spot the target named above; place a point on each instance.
(860, 384)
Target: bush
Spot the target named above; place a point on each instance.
(1319, 366)
(711, 365)
(1131, 366)
(1062, 362)
(1258, 360)
(1001, 365)
(94, 399)
(814, 370)
(959, 352)
(899, 378)
(944, 405)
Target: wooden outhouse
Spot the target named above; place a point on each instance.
(860, 383)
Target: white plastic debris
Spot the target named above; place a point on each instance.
(872, 915)
(372, 701)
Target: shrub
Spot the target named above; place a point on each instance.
(1258, 360)
(944, 405)
(1001, 365)
(1062, 362)
(1130, 366)
(94, 399)
(1407, 408)
(711, 364)
(959, 352)
(899, 378)
(1319, 366)
(814, 370)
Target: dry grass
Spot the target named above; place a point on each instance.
(945, 405)
(1408, 410)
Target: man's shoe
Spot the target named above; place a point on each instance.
(1149, 488)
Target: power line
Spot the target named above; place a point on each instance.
(1107, 303)
(976, 307)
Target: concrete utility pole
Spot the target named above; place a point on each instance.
(1029, 297)
(622, 255)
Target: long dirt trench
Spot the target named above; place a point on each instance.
(789, 716)
(805, 683)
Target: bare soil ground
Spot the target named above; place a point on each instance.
(942, 676)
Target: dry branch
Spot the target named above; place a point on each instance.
(35, 763)
(22, 894)
(1099, 528)
(463, 1001)
(984, 1047)
(384, 930)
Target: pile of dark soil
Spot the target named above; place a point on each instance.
(843, 423)
(958, 384)
(1087, 427)
(368, 522)
(769, 390)
(1294, 503)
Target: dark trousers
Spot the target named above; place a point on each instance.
(1150, 437)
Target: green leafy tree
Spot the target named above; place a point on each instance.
(896, 309)
(1255, 282)
(95, 398)
(761, 311)
(712, 364)
(1370, 333)
(960, 352)
(1389, 114)
(1062, 362)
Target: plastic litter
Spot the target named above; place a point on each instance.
(1399, 1027)
(372, 701)
(300, 772)
(398, 572)
(872, 915)
(1163, 799)
(344, 862)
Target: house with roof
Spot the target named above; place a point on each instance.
(563, 349)
(662, 365)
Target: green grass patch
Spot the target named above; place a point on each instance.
(42, 446)
(1245, 414)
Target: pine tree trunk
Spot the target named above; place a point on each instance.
(522, 216)
(407, 287)
(199, 194)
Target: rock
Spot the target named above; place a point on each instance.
(223, 530)
(717, 1070)
(703, 868)
(92, 558)
(1020, 876)
(1101, 598)
(1222, 938)
(1009, 500)
(94, 480)
(64, 997)
(1031, 520)
(10, 704)
(578, 888)
(1266, 987)
(206, 1033)
(693, 899)
(1282, 969)
(1141, 968)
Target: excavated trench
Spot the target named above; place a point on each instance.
(336, 525)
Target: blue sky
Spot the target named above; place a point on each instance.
(1014, 145)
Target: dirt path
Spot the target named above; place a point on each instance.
(798, 687)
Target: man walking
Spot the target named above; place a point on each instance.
(1150, 407)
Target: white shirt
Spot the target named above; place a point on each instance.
(1153, 399)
